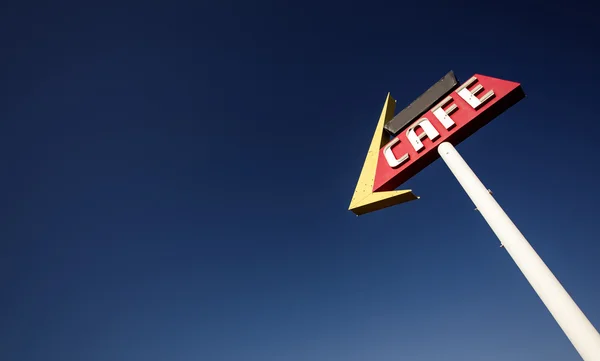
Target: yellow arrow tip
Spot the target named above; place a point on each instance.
(364, 199)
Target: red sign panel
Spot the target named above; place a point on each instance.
(455, 118)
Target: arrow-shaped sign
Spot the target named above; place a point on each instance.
(453, 119)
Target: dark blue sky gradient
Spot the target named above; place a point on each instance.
(176, 177)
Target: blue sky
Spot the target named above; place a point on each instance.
(176, 177)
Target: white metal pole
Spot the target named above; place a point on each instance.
(573, 322)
